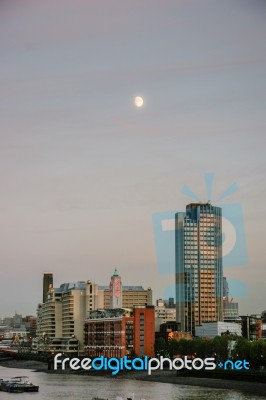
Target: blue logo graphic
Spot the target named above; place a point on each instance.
(238, 364)
(233, 235)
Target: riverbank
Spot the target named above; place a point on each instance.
(37, 366)
(171, 377)
(157, 376)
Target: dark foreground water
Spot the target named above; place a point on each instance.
(78, 387)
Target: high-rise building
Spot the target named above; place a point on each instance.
(199, 270)
(115, 291)
(47, 282)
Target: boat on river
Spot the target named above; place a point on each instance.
(18, 384)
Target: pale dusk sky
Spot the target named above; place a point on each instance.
(82, 170)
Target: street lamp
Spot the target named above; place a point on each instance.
(74, 337)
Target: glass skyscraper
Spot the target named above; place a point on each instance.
(199, 269)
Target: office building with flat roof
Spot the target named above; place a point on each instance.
(120, 332)
(132, 296)
(199, 269)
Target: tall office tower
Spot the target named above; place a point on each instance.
(115, 291)
(199, 270)
(47, 281)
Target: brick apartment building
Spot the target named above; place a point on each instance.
(120, 332)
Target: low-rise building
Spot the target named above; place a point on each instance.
(120, 332)
(212, 329)
(68, 346)
(163, 314)
(132, 296)
(251, 326)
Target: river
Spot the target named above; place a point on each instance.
(77, 387)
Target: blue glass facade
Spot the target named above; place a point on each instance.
(199, 269)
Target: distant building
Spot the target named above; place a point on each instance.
(230, 308)
(68, 346)
(168, 327)
(251, 326)
(132, 296)
(15, 334)
(199, 270)
(163, 314)
(212, 329)
(115, 291)
(120, 332)
(230, 311)
(170, 303)
(31, 325)
(13, 322)
(47, 282)
(19, 326)
(263, 321)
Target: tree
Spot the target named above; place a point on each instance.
(241, 350)
(173, 347)
(184, 347)
(220, 346)
(160, 345)
(256, 353)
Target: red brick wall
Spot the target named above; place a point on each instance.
(149, 331)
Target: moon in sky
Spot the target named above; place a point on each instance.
(139, 101)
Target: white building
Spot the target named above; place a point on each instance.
(212, 329)
(163, 314)
(64, 313)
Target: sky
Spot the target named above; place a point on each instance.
(83, 171)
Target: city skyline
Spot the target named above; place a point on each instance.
(83, 170)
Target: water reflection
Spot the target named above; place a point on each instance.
(83, 387)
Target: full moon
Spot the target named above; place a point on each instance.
(138, 101)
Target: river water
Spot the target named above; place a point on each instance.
(77, 387)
